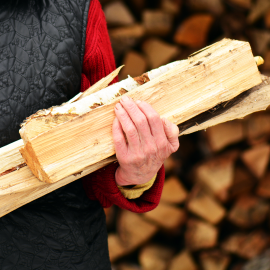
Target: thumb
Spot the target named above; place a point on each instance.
(172, 133)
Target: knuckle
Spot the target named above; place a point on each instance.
(154, 117)
(141, 121)
(131, 131)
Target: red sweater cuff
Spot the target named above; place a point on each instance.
(101, 186)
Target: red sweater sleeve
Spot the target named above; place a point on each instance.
(99, 62)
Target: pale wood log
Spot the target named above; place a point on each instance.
(221, 168)
(263, 189)
(183, 261)
(220, 136)
(248, 211)
(214, 260)
(202, 204)
(193, 32)
(171, 6)
(247, 245)
(213, 6)
(173, 191)
(135, 65)
(157, 22)
(117, 13)
(168, 217)
(155, 257)
(50, 154)
(256, 159)
(153, 47)
(200, 235)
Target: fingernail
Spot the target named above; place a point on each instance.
(138, 101)
(117, 106)
(125, 98)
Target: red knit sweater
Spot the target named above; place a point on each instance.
(99, 62)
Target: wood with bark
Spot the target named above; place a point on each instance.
(246, 245)
(116, 248)
(200, 235)
(248, 211)
(173, 191)
(168, 217)
(220, 136)
(256, 159)
(159, 52)
(50, 154)
(202, 204)
(263, 188)
(155, 257)
(214, 260)
(213, 6)
(157, 22)
(183, 261)
(193, 32)
(171, 6)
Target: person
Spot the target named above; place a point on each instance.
(49, 51)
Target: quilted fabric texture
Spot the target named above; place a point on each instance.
(40, 61)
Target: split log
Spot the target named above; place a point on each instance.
(116, 247)
(260, 39)
(220, 136)
(133, 230)
(127, 266)
(50, 154)
(117, 13)
(248, 211)
(214, 260)
(157, 22)
(193, 32)
(221, 168)
(173, 191)
(267, 19)
(134, 65)
(266, 66)
(256, 159)
(242, 3)
(171, 6)
(246, 246)
(213, 6)
(258, 9)
(200, 235)
(183, 261)
(168, 217)
(243, 182)
(155, 257)
(263, 189)
(153, 47)
(202, 204)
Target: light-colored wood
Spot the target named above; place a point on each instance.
(193, 32)
(263, 189)
(155, 257)
(167, 216)
(152, 48)
(200, 235)
(256, 159)
(222, 135)
(117, 13)
(267, 19)
(213, 6)
(134, 65)
(128, 266)
(157, 22)
(221, 168)
(183, 261)
(258, 9)
(173, 191)
(214, 260)
(50, 154)
(116, 248)
(171, 6)
(246, 246)
(133, 230)
(248, 211)
(202, 204)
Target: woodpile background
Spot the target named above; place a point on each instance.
(215, 208)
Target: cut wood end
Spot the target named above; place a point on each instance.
(259, 60)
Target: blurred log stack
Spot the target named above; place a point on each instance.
(214, 212)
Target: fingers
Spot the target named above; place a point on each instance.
(172, 132)
(128, 127)
(119, 139)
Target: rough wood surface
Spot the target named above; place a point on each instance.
(183, 261)
(214, 260)
(50, 154)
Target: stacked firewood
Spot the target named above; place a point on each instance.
(214, 212)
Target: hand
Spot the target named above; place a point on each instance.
(142, 141)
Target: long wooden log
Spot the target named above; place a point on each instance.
(217, 74)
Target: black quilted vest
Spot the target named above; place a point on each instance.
(40, 66)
